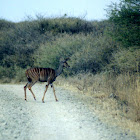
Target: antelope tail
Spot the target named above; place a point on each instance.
(28, 78)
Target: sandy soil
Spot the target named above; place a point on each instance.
(68, 119)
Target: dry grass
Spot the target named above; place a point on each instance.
(116, 96)
(128, 90)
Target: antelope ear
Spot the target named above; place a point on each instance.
(66, 59)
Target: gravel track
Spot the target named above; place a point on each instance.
(68, 119)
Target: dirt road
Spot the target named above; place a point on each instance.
(68, 119)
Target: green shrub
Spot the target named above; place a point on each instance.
(7, 72)
(125, 17)
(20, 74)
(6, 25)
(126, 61)
(86, 53)
(64, 25)
(48, 55)
(93, 56)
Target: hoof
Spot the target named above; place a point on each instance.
(26, 100)
(56, 100)
(43, 101)
(35, 99)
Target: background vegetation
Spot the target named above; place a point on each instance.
(104, 55)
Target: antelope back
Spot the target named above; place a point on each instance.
(41, 74)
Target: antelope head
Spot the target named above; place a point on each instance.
(65, 64)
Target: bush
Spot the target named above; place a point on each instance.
(93, 56)
(20, 75)
(6, 25)
(7, 73)
(126, 18)
(86, 53)
(126, 61)
(48, 55)
(64, 25)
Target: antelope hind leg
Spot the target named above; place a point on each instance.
(32, 93)
(25, 87)
(29, 87)
(54, 93)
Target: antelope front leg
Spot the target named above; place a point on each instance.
(45, 93)
(32, 93)
(29, 85)
(54, 93)
(25, 87)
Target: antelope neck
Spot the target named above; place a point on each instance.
(59, 70)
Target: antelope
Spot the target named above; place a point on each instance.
(43, 75)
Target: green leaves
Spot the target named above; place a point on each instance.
(126, 19)
(126, 61)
